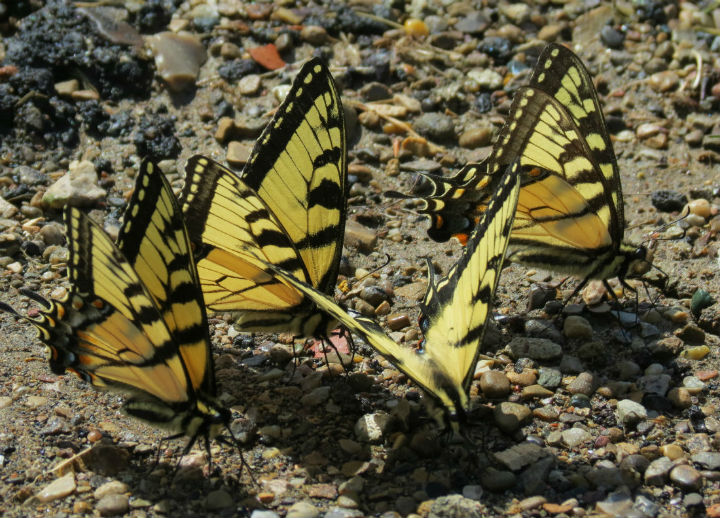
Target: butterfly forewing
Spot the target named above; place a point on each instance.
(561, 74)
(238, 219)
(457, 306)
(154, 240)
(298, 167)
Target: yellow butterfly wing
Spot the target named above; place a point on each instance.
(456, 308)
(288, 203)
(232, 278)
(570, 213)
(137, 324)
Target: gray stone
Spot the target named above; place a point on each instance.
(540, 349)
(549, 378)
(52, 234)
(494, 384)
(636, 462)
(577, 327)
(56, 489)
(646, 506)
(509, 416)
(302, 510)
(114, 487)
(486, 78)
(629, 412)
(618, 503)
(570, 364)
(583, 384)
(264, 513)
(473, 492)
(605, 474)
(533, 479)
(686, 477)
(316, 396)
(655, 383)
(518, 456)
(457, 506)
(474, 23)
(657, 472)
(113, 505)
(496, 480)
(343, 512)
(628, 370)
(77, 188)
(436, 126)
(573, 437)
(543, 329)
(707, 460)
(405, 505)
(178, 58)
(372, 427)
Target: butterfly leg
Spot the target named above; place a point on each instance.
(576, 290)
(185, 451)
(234, 443)
(159, 449)
(614, 296)
(344, 334)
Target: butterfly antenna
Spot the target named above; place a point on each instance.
(377, 269)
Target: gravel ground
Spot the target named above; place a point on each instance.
(583, 412)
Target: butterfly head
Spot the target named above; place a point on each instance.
(215, 417)
(448, 416)
(637, 260)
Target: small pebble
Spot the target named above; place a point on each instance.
(672, 451)
(114, 487)
(696, 353)
(700, 207)
(59, 488)
(707, 460)
(549, 378)
(693, 385)
(497, 480)
(113, 505)
(575, 437)
(540, 349)
(657, 471)
(584, 383)
(686, 477)
(372, 427)
(509, 416)
(396, 322)
(494, 384)
(535, 391)
(302, 510)
(178, 58)
(629, 412)
(680, 397)
(577, 327)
